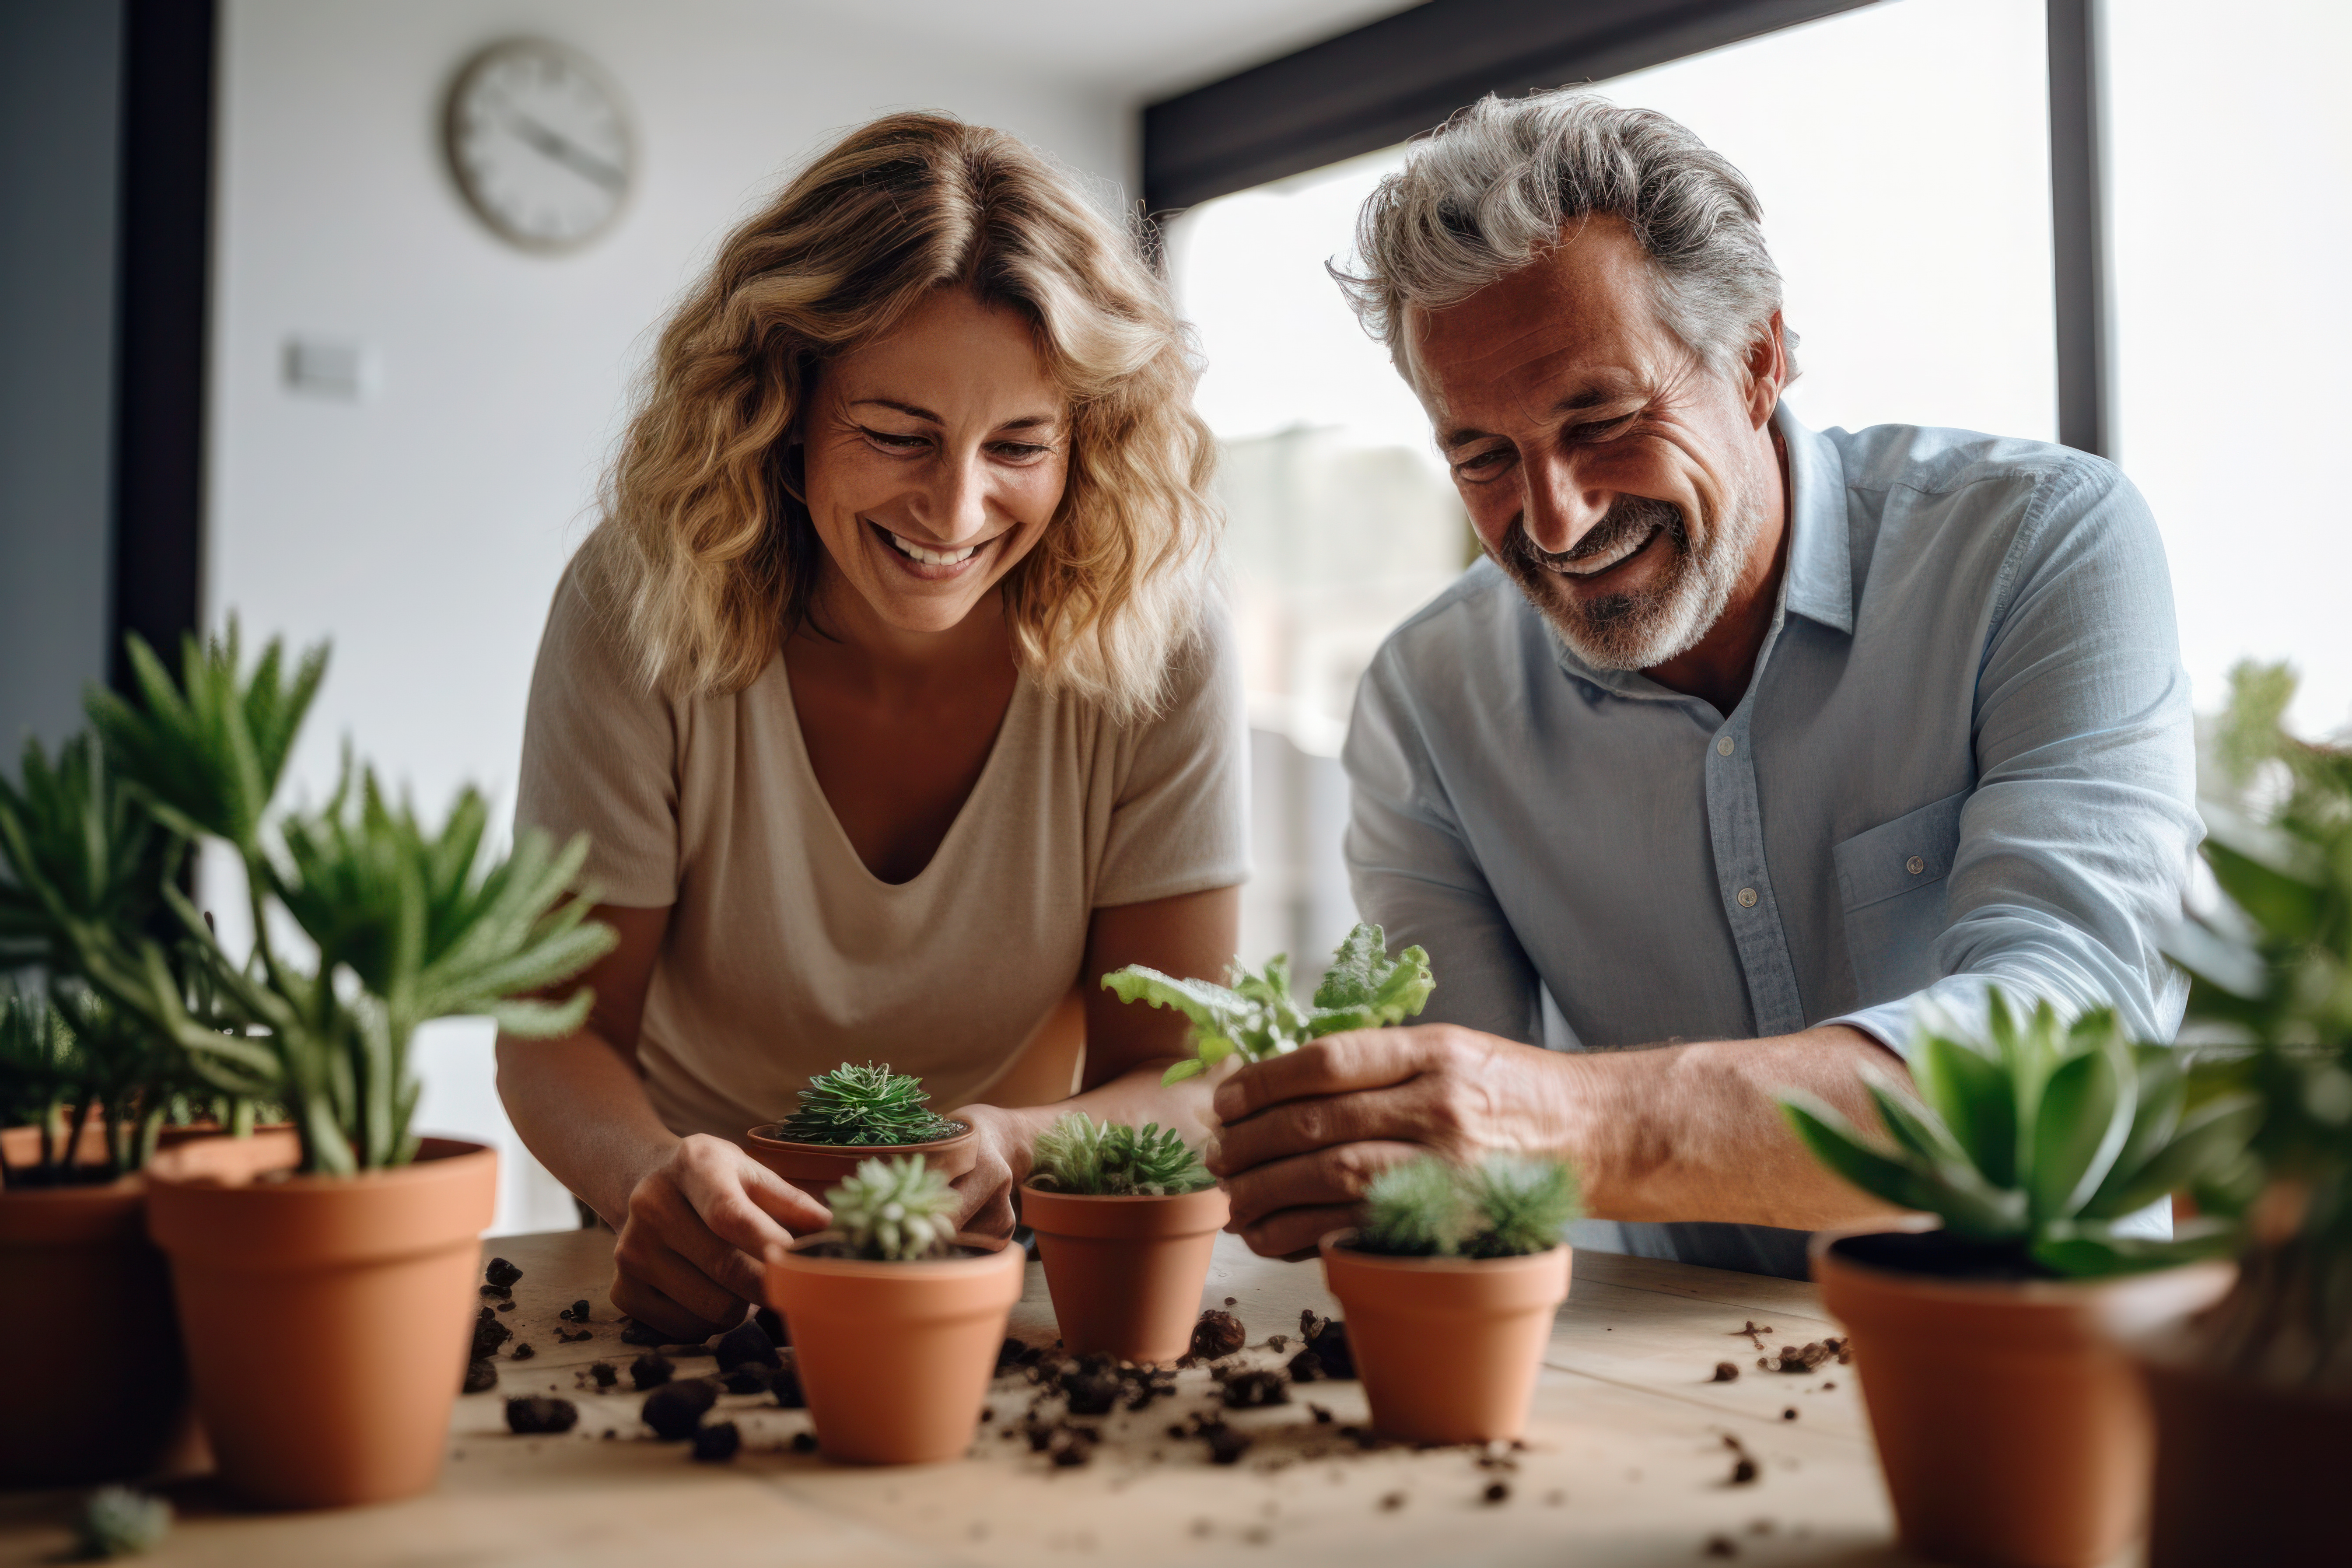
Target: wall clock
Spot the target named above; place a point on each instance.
(539, 143)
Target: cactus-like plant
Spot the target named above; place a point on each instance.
(1506, 1206)
(1114, 1159)
(118, 1523)
(2041, 1136)
(894, 1210)
(865, 1107)
(1254, 1016)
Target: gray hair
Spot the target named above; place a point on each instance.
(1496, 186)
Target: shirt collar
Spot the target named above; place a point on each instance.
(1819, 584)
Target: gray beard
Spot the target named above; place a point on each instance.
(1640, 629)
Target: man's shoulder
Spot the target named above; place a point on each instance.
(1934, 460)
(1480, 617)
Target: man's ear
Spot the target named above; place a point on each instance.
(1767, 370)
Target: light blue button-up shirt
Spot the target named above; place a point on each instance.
(1965, 758)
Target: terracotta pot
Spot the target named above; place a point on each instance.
(2010, 1425)
(327, 1318)
(2244, 1472)
(1448, 1348)
(1125, 1273)
(894, 1358)
(97, 1391)
(813, 1167)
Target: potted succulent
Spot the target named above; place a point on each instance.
(1449, 1287)
(324, 1275)
(895, 1320)
(1126, 1218)
(853, 1114)
(2253, 1399)
(1987, 1346)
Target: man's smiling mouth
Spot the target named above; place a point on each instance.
(1606, 559)
(925, 556)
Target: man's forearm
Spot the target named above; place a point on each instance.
(1696, 1133)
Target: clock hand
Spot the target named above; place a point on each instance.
(586, 165)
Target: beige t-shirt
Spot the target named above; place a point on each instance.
(785, 956)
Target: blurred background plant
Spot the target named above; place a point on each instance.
(1506, 1206)
(894, 1211)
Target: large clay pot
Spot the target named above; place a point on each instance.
(2244, 1472)
(1126, 1272)
(96, 1389)
(894, 1358)
(327, 1317)
(813, 1167)
(1448, 1348)
(2012, 1428)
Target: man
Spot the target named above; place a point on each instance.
(1743, 740)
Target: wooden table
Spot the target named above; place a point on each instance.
(1627, 1461)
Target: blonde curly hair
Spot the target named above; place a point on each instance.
(706, 553)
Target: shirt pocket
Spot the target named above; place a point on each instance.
(1891, 879)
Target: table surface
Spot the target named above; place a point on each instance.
(1628, 1459)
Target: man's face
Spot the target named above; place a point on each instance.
(1604, 466)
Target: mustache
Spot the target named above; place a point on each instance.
(1628, 518)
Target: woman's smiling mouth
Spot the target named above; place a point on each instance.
(923, 561)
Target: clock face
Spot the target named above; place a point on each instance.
(540, 144)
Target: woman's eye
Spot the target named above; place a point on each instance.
(895, 442)
(1020, 451)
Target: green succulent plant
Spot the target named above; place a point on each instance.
(865, 1107)
(1254, 1016)
(1506, 1206)
(118, 1523)
(2042, 1135)
(1114, 1159)
(894, 1210)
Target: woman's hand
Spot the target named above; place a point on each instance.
(1004, 1139)
(700, 1224)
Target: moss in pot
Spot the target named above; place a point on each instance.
(1450, 1285)
(1125, 1219)
(855, 1113)
(1988, 1347)
(895, 1320)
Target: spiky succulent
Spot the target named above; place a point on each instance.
(118, 1523)
(1114, 1159)
(1256, 1016)
(894, 1210)
(865, 1107)
(2043, 1135)
(1506, 1206)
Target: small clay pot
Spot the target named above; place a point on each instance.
(894, 1358)
(327, 1318)
(96, 1387)
(2012, 1428)
(1448, 1348)
(814, 1167)
(1125, 1273)
(2244, 1472)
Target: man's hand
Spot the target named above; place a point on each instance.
(691, 1255)
(986, 1190)
(1305, 1133)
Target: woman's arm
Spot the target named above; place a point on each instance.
(1128, 1047)
(694, 1214)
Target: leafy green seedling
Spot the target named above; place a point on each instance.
(1506, 1206)
(2042, 1135)
(865, 1107)
(894, 1211)
(1254, 1016)
(118, 1523)
(1098, 1159)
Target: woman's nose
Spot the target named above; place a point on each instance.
(959, 508)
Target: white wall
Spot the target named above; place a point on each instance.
(423, 527)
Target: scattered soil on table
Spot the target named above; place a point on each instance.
(784, 1384)
(507, 1305)
(564, 1336)
(1325, 1341)
(481, 1375)
(522, 1352)
(1497, 1491)
(772, 1324)
(636, 1333)
(1721, 1546)
(1805, 1358)
(1744, 1469)
(1392, 1501)
(1322, 1416)
(650, 1370)
(537, 1415)
(1215, 1336)
(1790, 1414)
(489, 1335)
(717, 1442)
(1750, 1332)
(500, 1273)
(804, 1442)
(675, 1410)
(745, 1344)
(1725, 1373)
(575, 1313)
(605, 1373)
(748, 1378)
(1012, 1355)
(1247, 1389)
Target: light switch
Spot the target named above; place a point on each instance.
(322, 367)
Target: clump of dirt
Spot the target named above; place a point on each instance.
(1392, 1501)
(575, 1313)
(1218, 1334)
(605, 1373)
(565, 1336)
(506, 1306)
(1725, 1373)
(1012, 1355)
(489, 1335)
(1805, 1358)
(717, 1442)
(675, 1410)
(1751, 1332)
(539, 1413)
(651, 1371)
(481, 1375)
(1496, 1491)
(1247, 1389)
(1322, 1416)
(784, 1384)
(1225, 1446)
(636, 1333)
(1721, 1546)
(748, 1378)
(1744, 1469)
(1324, 1352)
(772, 1324)
(522, 1352)
(745, 1344)
(499, 1278)
(1790, 1414)
(804, 1442)
(1067, 1442)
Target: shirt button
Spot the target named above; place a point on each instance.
(1723, 747)
(1915, 865)
(1746, 898)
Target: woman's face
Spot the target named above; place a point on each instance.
(936, 456)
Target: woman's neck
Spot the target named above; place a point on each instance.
(847, 644)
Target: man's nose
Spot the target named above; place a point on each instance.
(1559, 508)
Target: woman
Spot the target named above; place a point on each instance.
(890, 694)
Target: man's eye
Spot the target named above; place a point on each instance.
(1601, 429)
(1485, 462)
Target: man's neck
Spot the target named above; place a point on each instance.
(1720, 665)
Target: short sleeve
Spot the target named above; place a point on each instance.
(1179, 823)
(600, 756)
